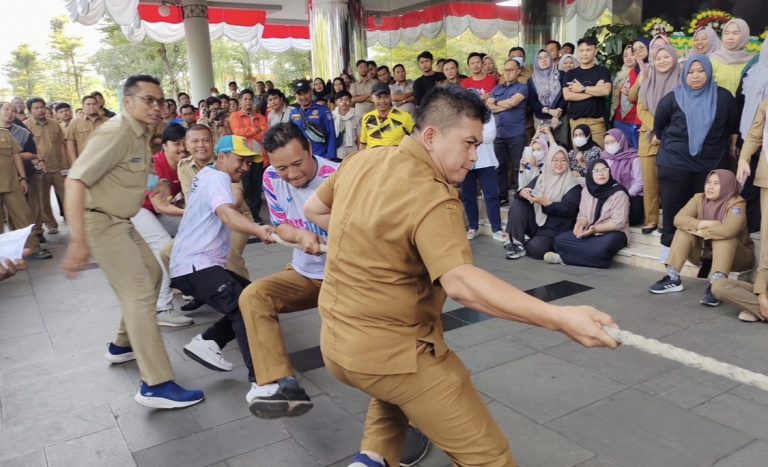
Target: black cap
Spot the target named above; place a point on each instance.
(301, 86)
(380, 88)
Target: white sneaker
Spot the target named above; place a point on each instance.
(173, 318)
(261, 391)
(207, 353)
(501, 236)
(551, 257)
(472, 233)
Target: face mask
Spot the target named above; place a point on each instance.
(612, 148)
(539, 155)
(580, 141)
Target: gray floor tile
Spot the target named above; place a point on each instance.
(213, 445)
(482, 332)
(542, 387)
(32, 459)
(633, 429)
(224, 398)
(435, 458)
(20, 322)
(752, 455)
(143, 428)
(686, 387)
(96, 450)
(539, 338)
(740, 414)
(283, 453)
(32, 372)
(302, 339)
(20, 351)
(493, 353)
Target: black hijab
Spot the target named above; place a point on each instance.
(601, 192)
(588, 134)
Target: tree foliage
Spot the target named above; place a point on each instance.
(25, 71)
(67, 80)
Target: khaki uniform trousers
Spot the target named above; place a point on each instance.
(596, 126)
(738, 294)
(440, 400)
(40, 203)
(260, 303)
(55, 180)
(647, 154)
(727, 254)
(761, 278)
(134, 274)
(19, 215)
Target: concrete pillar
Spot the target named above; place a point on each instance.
(337, 33)
(535, 27)
(198, 48)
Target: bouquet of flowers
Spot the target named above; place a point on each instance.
(715, 19)
(656, 26)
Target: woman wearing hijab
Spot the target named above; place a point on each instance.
(567, 63)
(532, 160)
(712, 223)
(602, 227)
(543, 209)
(729, 60)
(624, 111)
(584, 150)
(697, 126)
(545, 92)
(320, 90)
(625, 168)
(705, 41)
(659, 79)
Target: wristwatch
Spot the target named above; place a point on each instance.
(24, 179)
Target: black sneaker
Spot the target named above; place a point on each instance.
(666, 285)
(515, 250)
(415, 447)
(192, 304)
(708, 299)
(278, 400)
(41, 238)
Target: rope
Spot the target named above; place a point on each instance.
(688, 358)
(276, 238)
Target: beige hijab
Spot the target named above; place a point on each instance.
(737, 56)
(551, 185)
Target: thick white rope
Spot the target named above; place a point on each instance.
(688, 358)
(276, 238)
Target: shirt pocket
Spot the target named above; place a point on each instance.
(132, 172)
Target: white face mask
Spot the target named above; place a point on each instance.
(539, 155)
(580, 141)
(612, 148)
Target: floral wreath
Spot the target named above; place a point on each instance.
(655, 26)
(764, 35)
(715, 19)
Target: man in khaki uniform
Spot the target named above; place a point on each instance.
(105, 188)
(64, 116)
(81, 128)
(397, 247)
(49, 138)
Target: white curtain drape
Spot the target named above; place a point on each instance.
(588, 10)
(453, 26)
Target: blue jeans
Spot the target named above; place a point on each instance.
(490, 188)
(630, 130)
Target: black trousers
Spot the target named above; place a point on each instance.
(676, 188)
(220, 289)
(522, 222)
(508, 151)
(636, 210)
(252, 182)
(595, 251)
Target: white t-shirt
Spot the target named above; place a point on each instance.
(286, 206)
(203, 240)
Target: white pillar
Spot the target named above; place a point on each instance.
(337, 34)
(198, 48)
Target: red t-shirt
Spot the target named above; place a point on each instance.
(482, 86)
(164, 172)
(631, 116)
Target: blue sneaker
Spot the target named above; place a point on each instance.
(117, 354)
(167, 395)
(362, 460)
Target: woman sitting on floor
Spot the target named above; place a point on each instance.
(602, 227)
(625, 168)
(584, 151)
(544, 208)
(713, 221)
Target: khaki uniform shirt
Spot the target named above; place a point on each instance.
(80, 130)
(49, 139)
(753, 142)
(396, 227)
(359, 88)
(9, 177)
(115, 167)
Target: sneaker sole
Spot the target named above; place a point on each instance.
(122, 358)
(204, 362)
(712, 304)
(421, 456)
(163, 403)
(174, 325)
(277, 409)
(677, 288)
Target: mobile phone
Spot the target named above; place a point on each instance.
(152, 181)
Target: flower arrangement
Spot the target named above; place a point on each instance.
(656, 26)
(764, 35)
(715, 19)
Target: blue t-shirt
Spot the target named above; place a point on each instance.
(510, 123)
(322, 121)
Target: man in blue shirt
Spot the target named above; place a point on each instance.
(315, 121)
(507, 102)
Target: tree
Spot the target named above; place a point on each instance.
(67, 70)
(25, 72)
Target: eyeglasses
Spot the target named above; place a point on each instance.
(150, 100)
(604, 170)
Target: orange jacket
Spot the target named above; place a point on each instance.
(252, 128)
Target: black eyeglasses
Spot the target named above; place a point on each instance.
(150, 100)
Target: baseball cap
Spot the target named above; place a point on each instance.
(301, 86)
(380, 88)
(236, 145)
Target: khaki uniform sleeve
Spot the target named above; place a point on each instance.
(754, 139)
(69, 134)
(325, 191)
(688, 218)
(185, 178)
(446, 222)
(634, 91)
(15, 148)
(99, 157)
(734, 222)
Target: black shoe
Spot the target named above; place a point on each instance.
(415, 447)
(285, 399)
(666, 285)
(708, 299)
(515, 250)
(41, 238)
(192, 305)
(504, 202)
(648, 230)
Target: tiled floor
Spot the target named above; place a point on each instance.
(62, 404)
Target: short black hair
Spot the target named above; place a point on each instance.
(62, 105)
(174, 132)
(475, 54)
(269, 81)
(552, 41)
(247, 91)
(223, 97)
(341, 94)
(198, 127)
(382, 67)
(212, 100)
(399, 65)
(86, 97)
(260, 82)
(371, 63)
(133, 82)
(281, 134)
(274, 92)
(362, 60)
(439, 61)
(32, 101)
(231, 83)
(442, 107)
(587, 40)
(178, 96)
(97, 93)
(170, 101)
(186, 106)
(568, 44)
(450, 60)
(425, 54)
(515, 49)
